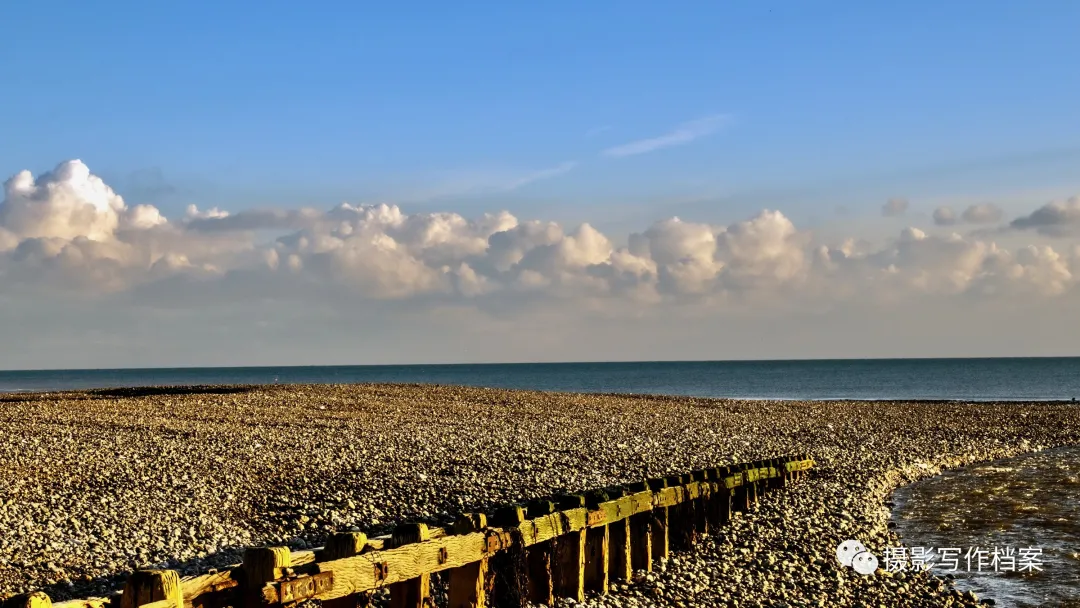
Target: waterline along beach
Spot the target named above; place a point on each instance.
(96, 484)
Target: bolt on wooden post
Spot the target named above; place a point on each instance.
(416, 592)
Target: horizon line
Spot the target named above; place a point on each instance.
(493, 363)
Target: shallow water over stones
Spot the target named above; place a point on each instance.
(1028, 501)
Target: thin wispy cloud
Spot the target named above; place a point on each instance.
(681, 135)
(542, 174)
(483, 181)
(591, 133)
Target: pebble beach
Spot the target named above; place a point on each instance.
(94, 484)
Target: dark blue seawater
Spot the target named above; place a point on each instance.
(966, 379)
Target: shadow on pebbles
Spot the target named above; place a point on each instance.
(93, 485)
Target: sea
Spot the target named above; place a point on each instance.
(1007, 530)
(991, 379)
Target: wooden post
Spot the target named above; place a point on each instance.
(619, 560)
(740, 501)
(681, 518)
(717, 492)
(34, 599)
(339, 546)
(469, 584)
(723, 500)
(148, 586)
(538, 557)
(702, 505)
(507, 572)
(264, 564)
(413, 593)
(660, 546)
(751, 487)
(344, 544)
(570, 555)
(596, 548)
(641, 535)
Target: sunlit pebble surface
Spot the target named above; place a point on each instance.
(96, 484)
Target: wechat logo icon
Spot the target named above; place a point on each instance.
(853, 554)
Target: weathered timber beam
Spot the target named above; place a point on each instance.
(382, 564)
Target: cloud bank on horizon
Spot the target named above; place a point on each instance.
(66, 236)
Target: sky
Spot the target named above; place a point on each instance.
(242, 183)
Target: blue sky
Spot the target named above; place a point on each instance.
(775, 131)
(484, 105)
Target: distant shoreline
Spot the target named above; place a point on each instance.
(187, 389)
(944, 380)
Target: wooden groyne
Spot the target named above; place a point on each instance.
(558, 546)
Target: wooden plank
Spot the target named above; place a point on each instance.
(374, 569)
(620, 565)
(508, 567)
(414, 592)
(751, 488)
(470, 584)
(541, 586)
(338, 546)
(262, 565)
(541, 583)
(596, 559)
(701, 513)
(569, 566)
(344, 544)
(149, 586)
(569, 563)
(662, 496)
(678, 516)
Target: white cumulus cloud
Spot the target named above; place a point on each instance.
(68, 230)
